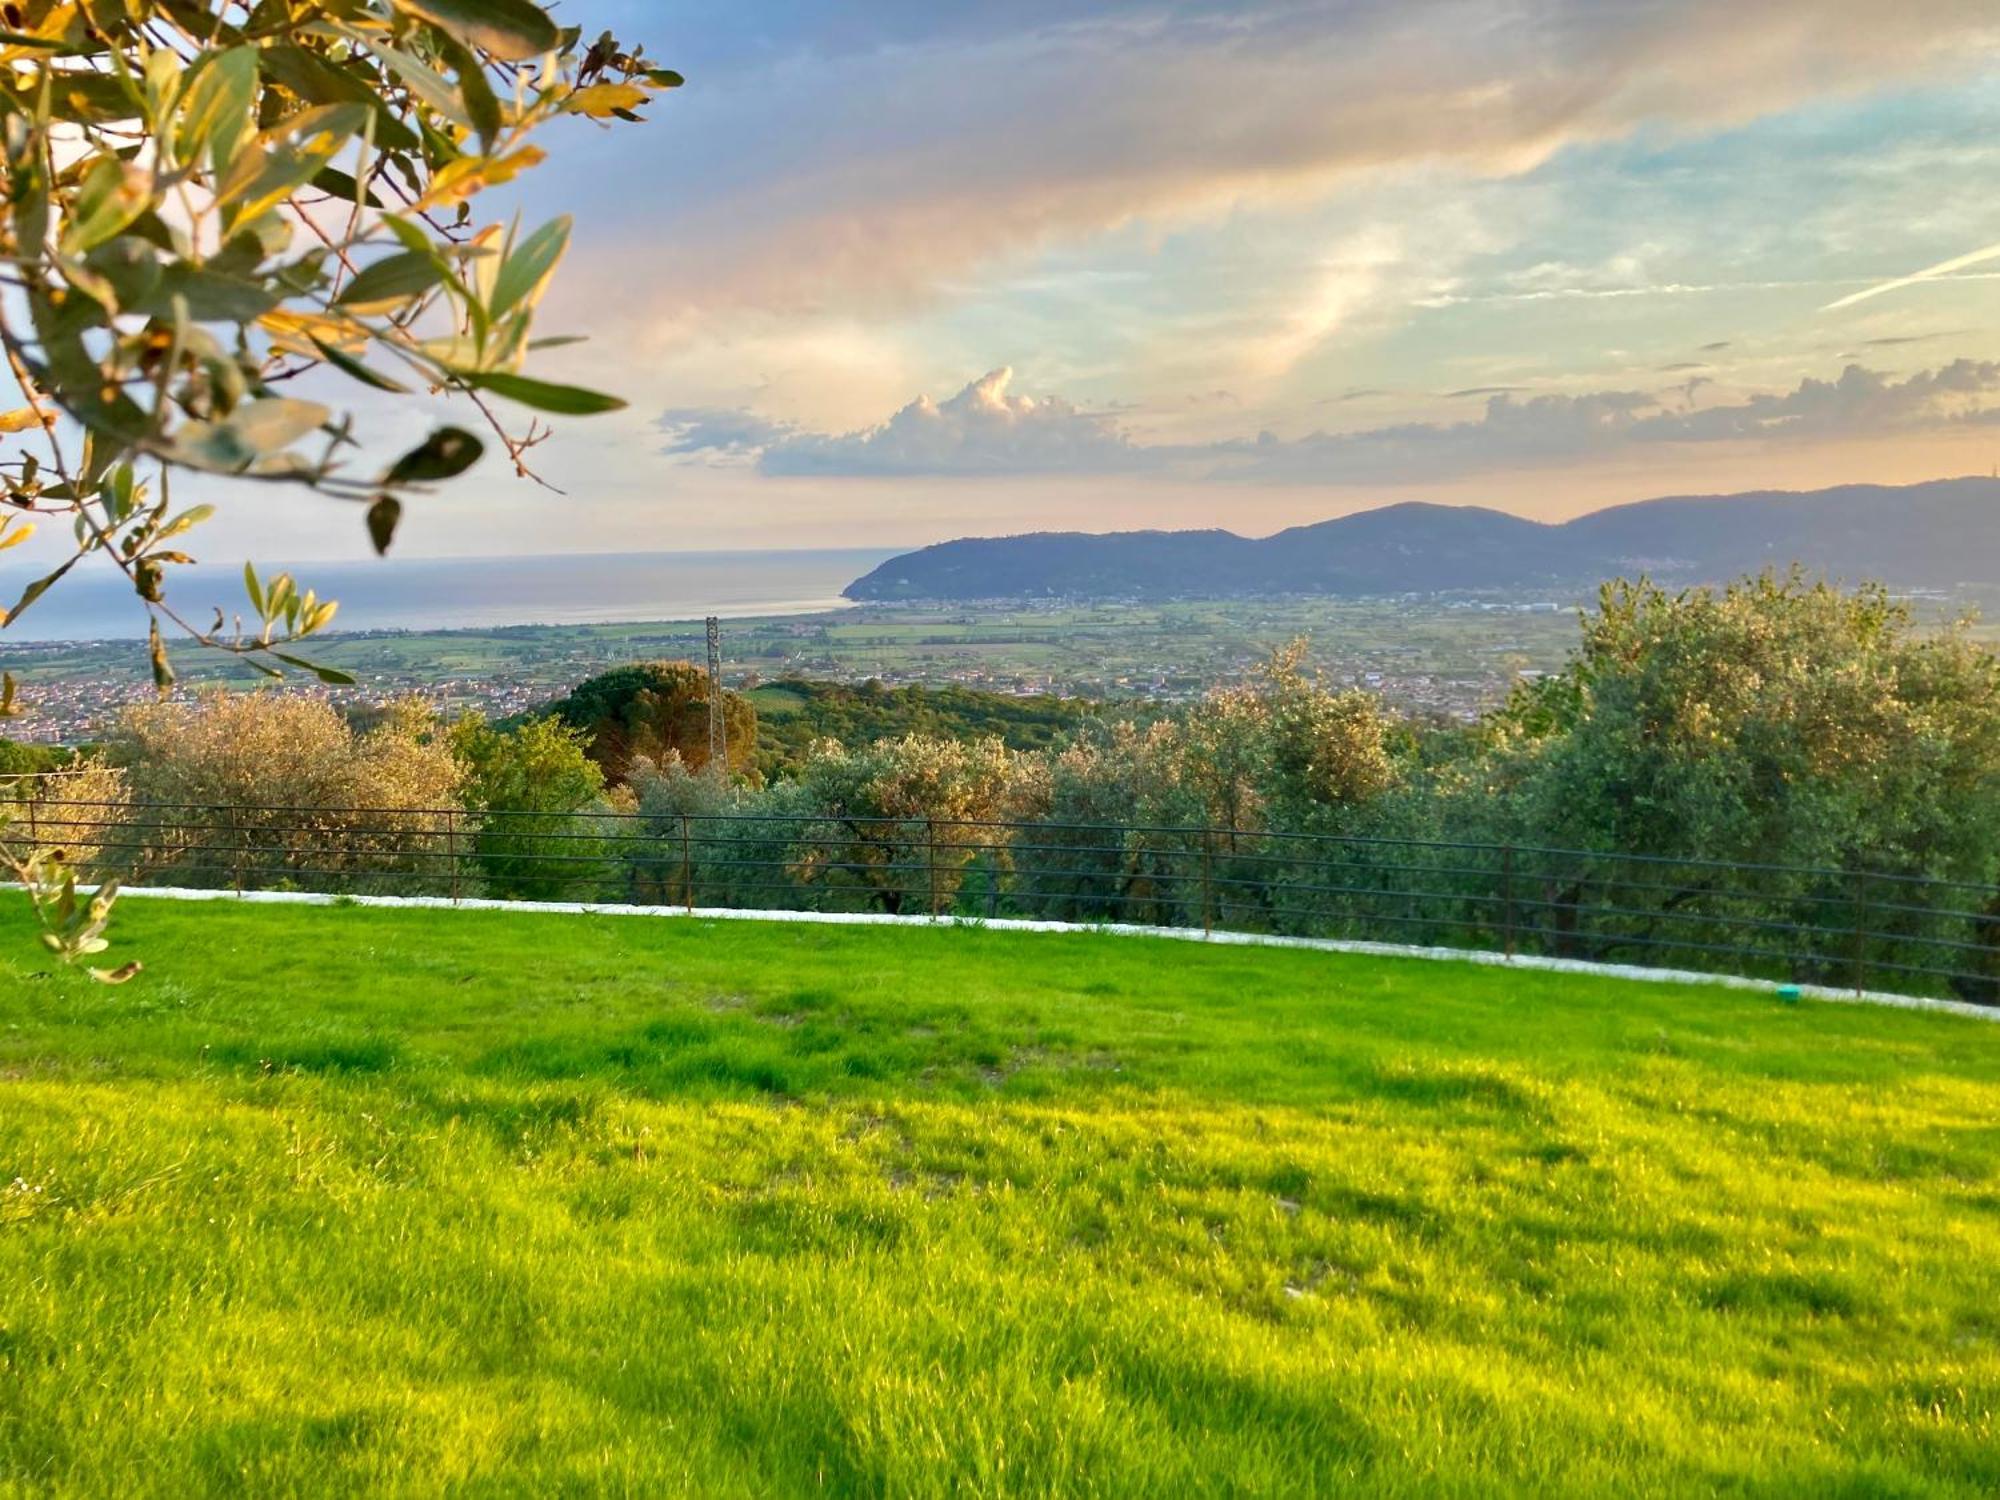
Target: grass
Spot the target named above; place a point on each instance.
(338, 1201)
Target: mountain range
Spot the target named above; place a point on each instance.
(1933, 535)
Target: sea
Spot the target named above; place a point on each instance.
(95, 603)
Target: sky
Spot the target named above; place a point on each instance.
(891, 271)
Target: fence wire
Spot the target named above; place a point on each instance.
(1846, 928)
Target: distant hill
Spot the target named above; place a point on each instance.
(1926, 535)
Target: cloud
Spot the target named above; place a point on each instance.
(729, 434)
(985, 431)
(1912, 338)
(981, 431)
(872, 161)
(1861, 402)
(1350, 278)
(1929, 273)
(1511, 433)
(1562, 429)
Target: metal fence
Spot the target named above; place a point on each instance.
(1847, 928)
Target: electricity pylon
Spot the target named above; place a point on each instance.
(718, 725)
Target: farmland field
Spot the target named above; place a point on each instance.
(1425, 656)
(337, 1200)
(1416, 653)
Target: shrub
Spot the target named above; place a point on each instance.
(689, 851)
(901, 820)
(80, 814)
(537, 794)
(17, 759)
(1778, 722)
(242, 788)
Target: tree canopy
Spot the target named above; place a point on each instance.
(655, 710)
(223, 219)
(794, 714)
(1776, 720)
(214, 209)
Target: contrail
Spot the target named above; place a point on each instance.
(1978, 257)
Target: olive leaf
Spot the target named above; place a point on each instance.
(445, 454)
(512, 30)
(543, 395)
(383, 518)
(202, 203)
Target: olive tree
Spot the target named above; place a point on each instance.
(901, 821)
(1777, 720)
(1815, 756)
(207, 200)
(535, 793)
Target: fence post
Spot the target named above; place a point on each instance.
(687, 867)
(1860, 931)
(451, 848)
(1507, 898)
(930, 840)
(1207, 884)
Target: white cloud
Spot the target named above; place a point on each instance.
(1557, 429)
(982, 430)
(1346, 282)
(1860, 402)
(1931, 273)
(986, 431)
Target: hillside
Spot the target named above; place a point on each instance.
(794, 713)
(1930, 535)
(343, 1202)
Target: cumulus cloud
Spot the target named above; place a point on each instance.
(879, 157)
(1560, 429)
(986, 431)
(1860, 403)
(983, 430)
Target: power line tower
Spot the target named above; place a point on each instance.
(718, 725)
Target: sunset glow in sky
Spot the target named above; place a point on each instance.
(890, 270)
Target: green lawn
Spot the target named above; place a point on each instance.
(341, 1201)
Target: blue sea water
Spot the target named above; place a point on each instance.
(95, 603)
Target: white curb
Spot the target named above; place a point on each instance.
(1531, 963)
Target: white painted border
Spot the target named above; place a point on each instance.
(1532, 963)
